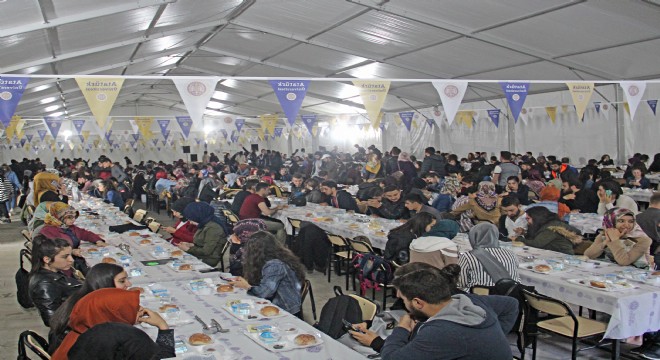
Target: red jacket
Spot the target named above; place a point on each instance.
(183, 234)
(54, 232)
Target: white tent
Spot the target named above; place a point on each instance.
(243, 43)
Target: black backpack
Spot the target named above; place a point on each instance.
(341, 307)
(23, 281)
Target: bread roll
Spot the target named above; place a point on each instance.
(186, 267)
(176, 253)
(542, 268)
(92, 249)
(305, 339)
(269, 311)
(199, 339)
(133, 233)
(145, 242)
(166, 307)
(109, 260)
(224, 288)
(597, 284)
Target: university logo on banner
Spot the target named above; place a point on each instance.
(451, 94)
(634, 91)
(373, 94)
(581, 94)
(239, 124)
(185, 122)
(291, 94)
(54, 124)
(196, 94)
(11, 91)
(309, 121)
(653, 104)
(78, 125)
(407, 118)
(268, 123)
(494, 115)
(163, 125)
(516, 93)
(100, 94)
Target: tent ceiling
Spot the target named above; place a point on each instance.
(420, 39)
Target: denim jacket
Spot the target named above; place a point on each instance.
(280, 285)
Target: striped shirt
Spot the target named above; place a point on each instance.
(6, 189)
(473, 274)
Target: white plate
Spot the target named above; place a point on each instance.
(609, 287)
(286, 341)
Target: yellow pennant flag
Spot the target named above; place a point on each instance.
(466, 117)
(373, 94)
(19, 125)
(85, 135)
(101, 94)
(20, 134)
(268, 123)
(315, 131)
(552, 112)
(581, 94)
(144, 126)
(11, 128)
(625, 106)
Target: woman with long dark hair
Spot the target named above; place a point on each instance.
(547, 232)
(100, 276)
(110, 195)
(399, 238)
(272, 272)
(49, 287)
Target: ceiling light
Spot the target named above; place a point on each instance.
(51, 108)
(56, 113)
(47, 100)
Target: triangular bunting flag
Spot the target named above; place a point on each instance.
(516, 93)
(597, 106)
(581, 94)
(101, 94)
(309, 121)
(653, 104)
(239, 124)
(185, 122)
(268, 123)
(494, 115)
(11, 91)
(634, 91)
(373, 94)
(54, 124)
(196, 94)
(291, 94)
(407, 118)
(552, 113)
(451, 94)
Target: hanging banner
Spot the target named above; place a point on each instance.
(597, 106)
(11, 91)
(239, 124)
(430, 122)
(653, 104)
(163, 125)
(28, 137)
(78, 125)
(407, 118)
(10, 128)
(54, 124)
(278, 132)
(268, 123)
(634, 91)
(108, 134)
(451, 94)
(291, 94)
(196, 94)
(42, 134)
(85, 135)
(581, 94)
(185, 122)
(309, 121)
(466, 117)
(494, 115)
(516, 93)
(373, 94)
(627, 107)
(552, 113)
(101, 94)
(144, 126)
(224, 133)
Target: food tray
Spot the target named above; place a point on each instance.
(609, 286)
(286, 342)
(254, 306)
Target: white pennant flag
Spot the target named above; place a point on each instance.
(436, 114)
(451, 94)
(196, 94)
(605, 109)
(634, 91)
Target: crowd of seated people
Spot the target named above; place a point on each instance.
(514, 197)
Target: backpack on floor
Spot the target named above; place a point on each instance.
(338, 308)
(372, 270)
(23, 282)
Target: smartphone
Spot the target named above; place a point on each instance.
(348, 326)
(608, 192)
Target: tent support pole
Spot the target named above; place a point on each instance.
(620, 126)
(511, 130)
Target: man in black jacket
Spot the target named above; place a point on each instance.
(434, 162)
(338, 198)
(392, 206)
(577, 198)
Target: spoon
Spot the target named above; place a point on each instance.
(205, 328)
(218, 327)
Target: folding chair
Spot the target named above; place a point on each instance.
(340, 252)
(295, 225)
(361, 245)
(307, 289)
(154, 226)
(233, 218)
(368, 307)
(276, 190)
(225, 247)
(564, 322)
(35, 343)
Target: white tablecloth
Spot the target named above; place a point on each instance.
(587, 223)
(643, 195)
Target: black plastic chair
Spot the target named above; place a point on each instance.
(35, 343)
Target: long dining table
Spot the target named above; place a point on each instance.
(182, 295)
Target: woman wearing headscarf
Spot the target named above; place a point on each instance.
(546, 231)
(209, 237)
(549, 199)
(45, 182)
(486, 254)
(435, 246)
(444, 201)
(535, 182)
(183, 230)
(485, 204)
(622, 240)
(111, 305)
(243, 230)
(59, 224)
(373, 168)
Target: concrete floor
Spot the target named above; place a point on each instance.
(18, 319)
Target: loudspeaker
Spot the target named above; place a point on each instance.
(193, 157)
(186, 149)
(255, 147)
